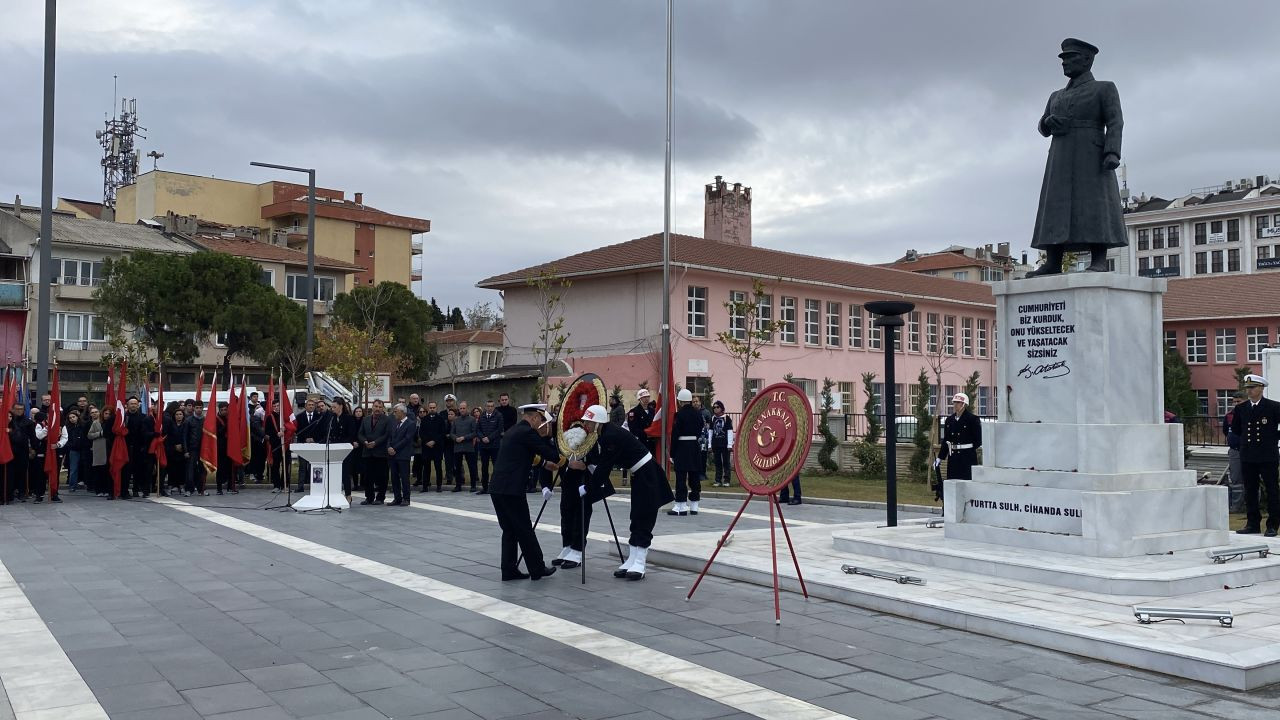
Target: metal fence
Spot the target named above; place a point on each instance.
(1202, 430)
(850, 427)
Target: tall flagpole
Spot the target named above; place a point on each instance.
(665, 354)
(45, 280)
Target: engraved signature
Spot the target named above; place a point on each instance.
(1051, 370)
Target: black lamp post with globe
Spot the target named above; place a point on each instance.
(889, 316)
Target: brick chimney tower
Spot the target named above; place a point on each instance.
(727, 213)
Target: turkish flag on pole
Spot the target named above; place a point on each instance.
(235, 424)
(51, 464)
(660, 426)
(119, 449)
(200, 385)
(209, 444)
(268, 416)
(157, 442)
(288, 423)
(6, 450)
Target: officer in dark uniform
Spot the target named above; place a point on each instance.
(961, 438)
(686, 429)
(639, 418)
(649, 488)
(522, 447)
(1255, 421)
(580, 490)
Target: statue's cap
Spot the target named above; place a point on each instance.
(1072, 45)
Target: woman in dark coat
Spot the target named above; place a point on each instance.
(343, 428)
(175, 454)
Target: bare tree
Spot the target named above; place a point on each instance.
(482, 316)
(552, 341)
(748, 330)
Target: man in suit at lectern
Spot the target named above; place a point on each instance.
(399, 451)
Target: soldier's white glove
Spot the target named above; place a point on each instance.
(937, 462)
(582, 491)
(546, 493)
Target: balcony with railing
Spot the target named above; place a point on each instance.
(13, 295)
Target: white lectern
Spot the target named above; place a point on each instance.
(326, 475)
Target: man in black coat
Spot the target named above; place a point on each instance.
(649, 488)
(507, 411)
(142, 428)
(193, 434)
(15, 471)
(686, 431)
(400, 439)
(523, 446)
(432, 429)
(489, 429)
(961, 438)
(306, 421)
(1255, 421)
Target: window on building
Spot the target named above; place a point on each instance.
(875, 334)
(1233, 231)
(696, 311)
(755, 385)
(982, 337)
(1157, 262)
(847, 399)
(699, 386)
(1171, 236)
(960, 275)
(764, 317)
(855, 326)
(1255, 341)
(76, 327)
(1202, 263)
(931, 333)
(811, 310)
(1144, 263)
(1111, 264)
(1171, 339)
(990, 274)
(1202, 403)
(1224, 345)
(1215, 228)
(1264, 252)
(984, 400)
(1224, 402)
(490, 359)
(268, 278)
(900, 405)
(913, 332)
(76, 272)
(787, 320)
(1157, 238)
(949, 335)
(833, 324)
(1202, 234)
(296, 288)
(878, 389)
(1197, 346)
(737, 320)
(966, 337)
(1174, 260)
(1215, 259)
(221, 339)
(1144, 239)
(1233, 260)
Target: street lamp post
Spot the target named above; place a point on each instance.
(311, 244)
(890, 314)
(45, 281)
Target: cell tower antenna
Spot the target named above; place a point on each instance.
(119, 154)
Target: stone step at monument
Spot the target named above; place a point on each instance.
(1072, 447)
(1099, 482)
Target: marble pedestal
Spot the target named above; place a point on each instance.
(1081, 460)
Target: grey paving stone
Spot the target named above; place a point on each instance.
(1047, 708)
(189, 675)
(954, 707)
(1235, 710)
(364, 713)
(971, 667)
(143, 696)
(972, 688)
(1067, 690)
(1139, 709)
(285, 677)
(407, 700)
(218, 699)
(125, 672)
(858, 705)
(315, 700)
(274, 712)
(497, 702)
(893, 666)
(794, 684)
(883, 686)
(172, 712)
(371, 676)
(1148, 690)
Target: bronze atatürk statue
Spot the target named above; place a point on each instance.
(1079, 198)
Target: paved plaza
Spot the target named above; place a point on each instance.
(216, 608)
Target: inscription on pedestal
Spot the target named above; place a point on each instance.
(1042, 333)
(1038, 509)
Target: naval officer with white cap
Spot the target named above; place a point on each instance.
(1255, 421)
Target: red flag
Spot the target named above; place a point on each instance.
(235, 432)
(288, 423)
(246, 439)
(6, 450)
(119, 449)
(209, 445)
(268, 416)
(660, 426)
(199, 384)
(157, 442)
(54, 423)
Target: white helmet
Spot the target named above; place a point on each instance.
(642, 393)
(684, 396)
(596, 413)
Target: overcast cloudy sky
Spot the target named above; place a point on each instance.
(530, 130)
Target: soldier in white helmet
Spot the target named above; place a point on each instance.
(686, 428)
(581, 490)
(618, 448)
(961, 438)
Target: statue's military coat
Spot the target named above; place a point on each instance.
(1079, 200)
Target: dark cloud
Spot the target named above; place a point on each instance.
(529, 130)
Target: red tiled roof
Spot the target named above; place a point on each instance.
(646, 254)
(940, 261)
(1223, 296)
(93, 209)
(258, 250)
(457, 337)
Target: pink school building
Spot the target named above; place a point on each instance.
(613, 311)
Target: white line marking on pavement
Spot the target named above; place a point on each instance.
(542, 526)
(731, 513)
(39, 678)
(712, 684)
